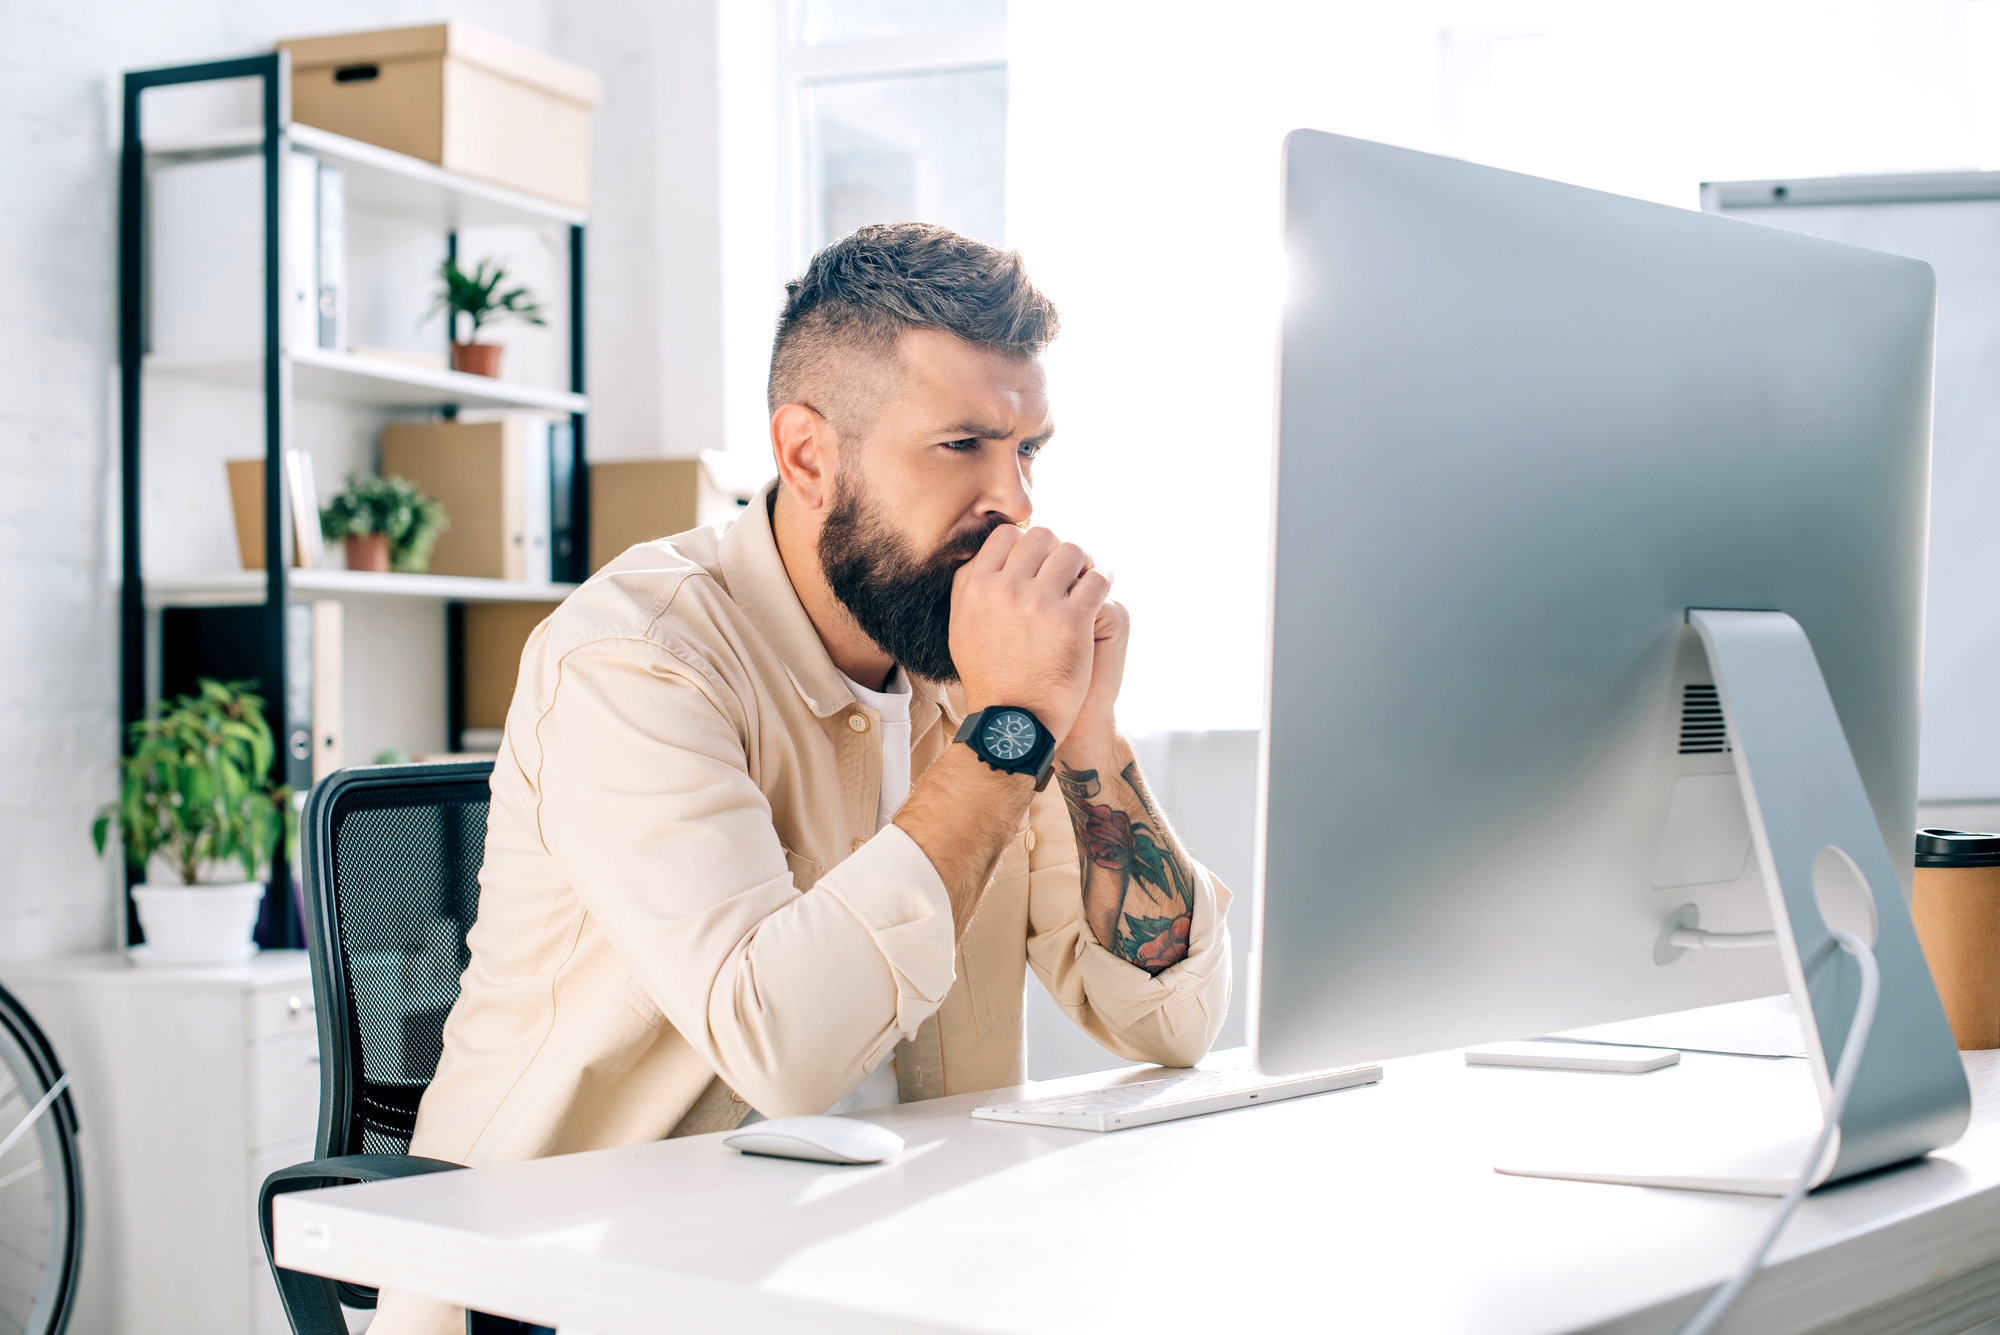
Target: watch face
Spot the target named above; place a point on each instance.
(1009, 734)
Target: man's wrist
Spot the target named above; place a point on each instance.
(1087, 739)
(961, 813)
(990, 780)
(978, 793)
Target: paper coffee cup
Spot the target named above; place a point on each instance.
(1957, 913)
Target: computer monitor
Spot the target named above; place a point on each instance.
(1523, 427)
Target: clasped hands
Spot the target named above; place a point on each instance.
(1033, 625)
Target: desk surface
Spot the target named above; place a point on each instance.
(1374, 1209)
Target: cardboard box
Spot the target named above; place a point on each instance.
(495, 634)
(469, 101)
(476, 472)
(636, 501)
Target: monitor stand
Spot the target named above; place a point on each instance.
(1824, 863)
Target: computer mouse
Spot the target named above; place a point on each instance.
(820, 1139)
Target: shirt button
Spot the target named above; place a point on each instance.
(858, 722)
(1030, 841)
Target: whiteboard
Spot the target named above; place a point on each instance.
(1952, 222)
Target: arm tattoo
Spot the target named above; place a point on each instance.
(1155, 889)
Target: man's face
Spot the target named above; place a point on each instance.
(948, 459)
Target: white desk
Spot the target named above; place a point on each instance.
(1373, 1209)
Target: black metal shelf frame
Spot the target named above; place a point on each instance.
(280, 925)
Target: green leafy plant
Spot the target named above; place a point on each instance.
(197, 786)
(410, 520)
(478, 297)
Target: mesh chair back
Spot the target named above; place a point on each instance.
(392, 885)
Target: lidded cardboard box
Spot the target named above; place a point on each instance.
(469, 101)
(637, 500)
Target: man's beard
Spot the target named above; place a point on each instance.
(902, 601)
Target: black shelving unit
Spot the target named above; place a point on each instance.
(251, 640)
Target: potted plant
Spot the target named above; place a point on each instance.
(199, 816)
(386, 524)
(472, 300)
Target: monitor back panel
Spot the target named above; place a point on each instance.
(1522, 427)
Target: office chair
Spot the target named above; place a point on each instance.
(391, 856)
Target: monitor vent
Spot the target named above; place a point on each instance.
(1703, 732)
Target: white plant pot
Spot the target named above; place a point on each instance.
(197, 924)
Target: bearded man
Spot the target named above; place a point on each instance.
(771, 830)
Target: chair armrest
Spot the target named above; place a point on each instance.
(312, 1304)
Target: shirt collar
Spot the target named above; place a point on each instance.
(759, 584)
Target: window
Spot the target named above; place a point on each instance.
(908, 148)
(899, 109)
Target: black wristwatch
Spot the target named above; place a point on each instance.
(1010, 739)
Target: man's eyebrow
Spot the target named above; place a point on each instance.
(978, 431)
(983, 431)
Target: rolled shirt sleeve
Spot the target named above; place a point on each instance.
(647, 804)
(1170, 1019)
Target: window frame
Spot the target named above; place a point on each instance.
(798, 67)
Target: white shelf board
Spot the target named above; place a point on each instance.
(238, 588)
(207, 142)
(380, 180)
(322, 373)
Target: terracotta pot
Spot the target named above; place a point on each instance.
(477, 358)
(369, 552)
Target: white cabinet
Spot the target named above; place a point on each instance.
(191, 1084)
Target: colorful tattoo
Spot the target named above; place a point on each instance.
(1152, 908)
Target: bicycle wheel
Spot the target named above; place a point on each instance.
(41, 1181)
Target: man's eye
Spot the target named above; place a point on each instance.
(1029, 449)
(969, 443)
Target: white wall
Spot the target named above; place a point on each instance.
(652, 317)
(653, 283)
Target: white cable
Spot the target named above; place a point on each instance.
(1693, 938)
(1718, 1302)
(33, 1113)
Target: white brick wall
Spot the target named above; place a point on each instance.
(60, 65)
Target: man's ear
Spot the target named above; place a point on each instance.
(807, 449)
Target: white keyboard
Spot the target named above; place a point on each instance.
(1175, 1096)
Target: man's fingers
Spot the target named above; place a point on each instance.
(1029, 552)
(1063, 566)
(992, 553)
(1112, 620)
(1091, 591)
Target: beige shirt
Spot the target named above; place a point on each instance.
(686, 905)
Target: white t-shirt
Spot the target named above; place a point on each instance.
(878, 1088)
(894, 707)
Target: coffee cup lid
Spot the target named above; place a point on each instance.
(1956, 848)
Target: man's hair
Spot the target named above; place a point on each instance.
(862, 292)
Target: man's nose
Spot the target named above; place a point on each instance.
(1007, 493)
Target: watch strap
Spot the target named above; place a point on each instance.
(968, 726)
